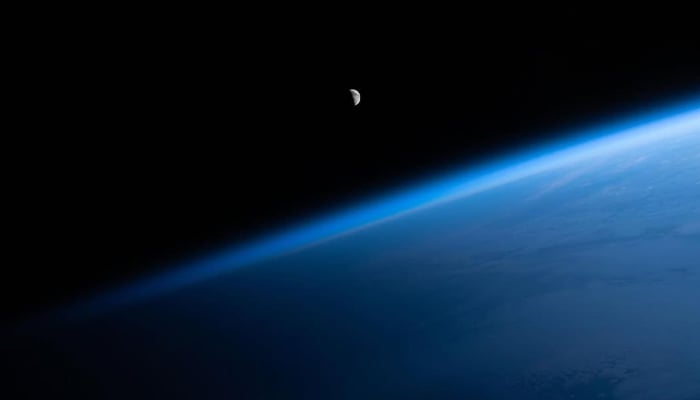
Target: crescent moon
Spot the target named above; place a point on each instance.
(355, 96)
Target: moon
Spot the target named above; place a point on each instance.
(355, 96)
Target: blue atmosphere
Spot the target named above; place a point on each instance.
(569, 270)
(649, 127)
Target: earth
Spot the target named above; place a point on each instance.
(580, 280)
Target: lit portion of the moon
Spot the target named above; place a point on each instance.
(355, 96)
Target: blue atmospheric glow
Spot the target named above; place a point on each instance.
(684, 119)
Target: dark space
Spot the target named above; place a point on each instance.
(137, 150)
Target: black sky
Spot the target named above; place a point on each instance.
(138, 149)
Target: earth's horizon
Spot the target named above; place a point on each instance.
(573, 277)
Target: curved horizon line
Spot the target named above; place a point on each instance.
(678, 119)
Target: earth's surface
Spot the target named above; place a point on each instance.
(581, 281)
